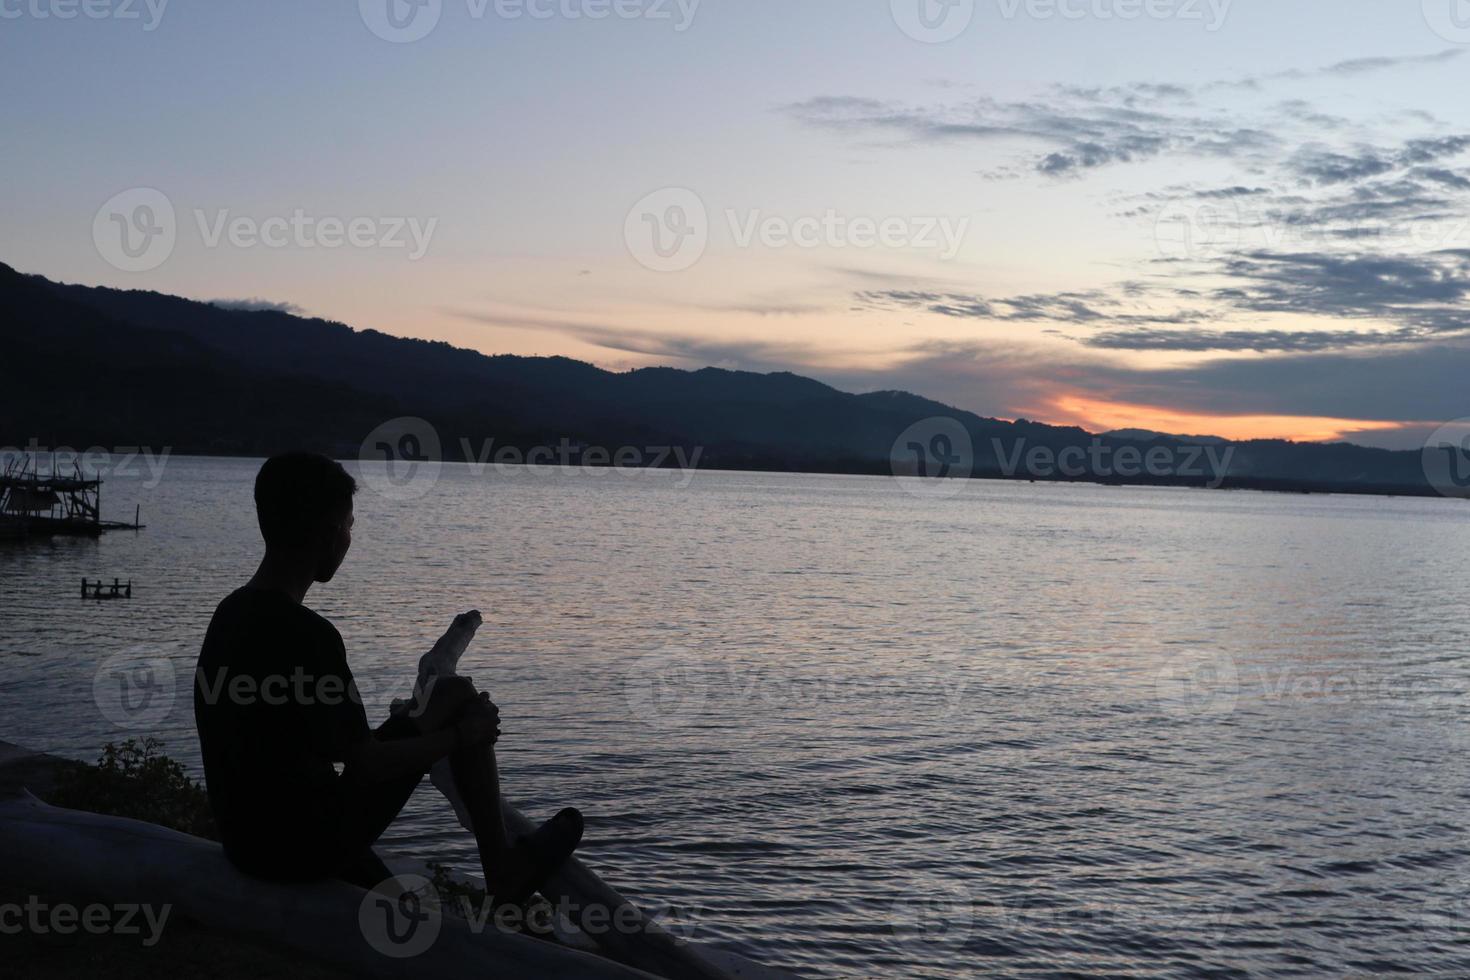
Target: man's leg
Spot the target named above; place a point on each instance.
(476, 775)
(367, 811)
(512, 870)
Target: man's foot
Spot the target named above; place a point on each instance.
(443, 659)
(535, 857)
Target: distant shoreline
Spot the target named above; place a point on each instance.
(877, 469)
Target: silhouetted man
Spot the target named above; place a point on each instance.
(276, 707)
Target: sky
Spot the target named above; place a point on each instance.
(1236, 217)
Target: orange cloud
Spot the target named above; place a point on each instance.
(1097, 415)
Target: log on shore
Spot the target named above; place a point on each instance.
(113, 860)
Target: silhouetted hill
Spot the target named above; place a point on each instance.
(1148, 435)
(94, 366)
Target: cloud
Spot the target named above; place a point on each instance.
(1429, 150)
(1322, 166)
(1424, 297)
(1261, 341)
(1067, 307)
(1439, 175)
(1083, 133)
(697, 349)
(1007, 379)
(257, 306)
(1085, 128)
(1363, 66)
(1230, 192)
(1418, 290)
(1350, 67)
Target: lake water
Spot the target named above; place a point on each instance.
(1022, 731)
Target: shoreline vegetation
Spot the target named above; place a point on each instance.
(121, 824)
(136, 780)
(867, 469)
(192, 378)
(133, 780)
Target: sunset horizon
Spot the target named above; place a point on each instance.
(1208, 228)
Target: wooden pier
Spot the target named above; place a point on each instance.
(101, 590)
(36, 504)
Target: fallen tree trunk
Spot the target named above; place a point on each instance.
(109, 859)
(638, 941)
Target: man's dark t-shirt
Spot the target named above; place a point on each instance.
(276, 706)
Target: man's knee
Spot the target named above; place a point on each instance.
(450, 690)
(441, 700)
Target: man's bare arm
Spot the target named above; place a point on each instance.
(378, 759)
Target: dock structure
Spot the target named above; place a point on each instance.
(36, 504)
(101, 590)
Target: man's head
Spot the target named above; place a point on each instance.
(304, 504)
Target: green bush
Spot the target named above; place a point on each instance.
(139, 782)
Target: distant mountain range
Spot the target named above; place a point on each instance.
(86, 366)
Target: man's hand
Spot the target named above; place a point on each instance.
(479, 722)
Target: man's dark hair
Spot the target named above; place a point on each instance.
(295, 493)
